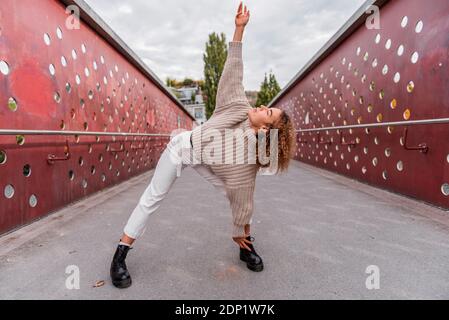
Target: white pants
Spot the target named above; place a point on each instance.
(177, 155)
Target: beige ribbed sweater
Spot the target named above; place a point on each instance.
(231, 112)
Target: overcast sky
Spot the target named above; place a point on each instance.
(170, 35)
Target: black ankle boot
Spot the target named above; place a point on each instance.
(119, 273)
(252, 259)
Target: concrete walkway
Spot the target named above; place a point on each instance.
(317, 233)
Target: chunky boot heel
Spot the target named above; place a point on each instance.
(253, 260)
(119, 272)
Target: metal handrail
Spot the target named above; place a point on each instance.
(384, 124)
(4, 132)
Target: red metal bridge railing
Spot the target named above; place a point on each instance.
(360, 104)
(87, 87)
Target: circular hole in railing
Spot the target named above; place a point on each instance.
(445, 189)
(32, 201)
(87, 72)
(100, 158)
(372, 86)
(12, 104)
(57, 97)
(78, 79)
(388, 44)
(385, 175)
(82, 103)
(370, 108)
(414, 57)
(71, 175)
(90, 94)
(390, 129)
(59, 33)
(447, 158)
(364, 170)
(374, 161)
(72, 113)
(3, 157)
(20, 140)
(81, 161)
(410, 87)
(4, 67)
(86, 126)
(103, 177)
(419, 26)
(374, 63)
(381, 94)
(377, 39)
(74, 54)
(117, 173)
(27, 170)
(102, 59)
(92, 170)
(407, 114)
(62, 125)
(385, 70)
(83, 48)
(84, 183)
(358, 51)
(404, 22)
(94, 64)
(366, 56)
(387, 152)
(52, 69)
(393, 104)
(376, 140)
(63, 61)
(400, 50)
(47, 39)
(397, 77)
(400, 165)
(8, 191)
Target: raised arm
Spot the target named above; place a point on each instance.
(230, 88)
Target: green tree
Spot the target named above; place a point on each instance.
(214, 61)
(269, 89)
(187, 82)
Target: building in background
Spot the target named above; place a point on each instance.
(192, 99)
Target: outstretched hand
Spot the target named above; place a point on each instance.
(242, 17)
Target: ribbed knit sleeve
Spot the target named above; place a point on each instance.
(241, 200)
(230, 88)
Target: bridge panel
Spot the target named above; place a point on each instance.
(396, 73)
(54, 78)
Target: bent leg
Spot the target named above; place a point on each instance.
(165, 174)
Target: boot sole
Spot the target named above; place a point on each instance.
(252, 267)
(122, 284)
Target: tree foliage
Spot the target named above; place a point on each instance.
(214, 61)
(269, 89)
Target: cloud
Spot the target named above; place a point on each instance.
(170, 36)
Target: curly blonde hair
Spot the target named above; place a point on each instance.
(286, 143)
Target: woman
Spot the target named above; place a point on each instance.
(234, 179)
